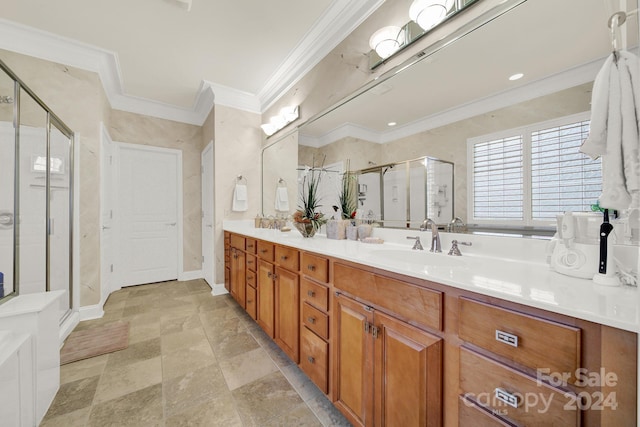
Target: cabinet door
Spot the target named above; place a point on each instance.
(241, 278)
(354, 368)
(287, 312)
(408, 374)
(266, 296)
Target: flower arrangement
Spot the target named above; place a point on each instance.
(348, 204)
(307, 219)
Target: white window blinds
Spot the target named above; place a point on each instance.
(529, 175)
(498, 187)
(562, 178)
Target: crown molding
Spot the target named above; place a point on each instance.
(337, 22)
(572, 77)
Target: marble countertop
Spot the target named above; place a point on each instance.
(531, 282)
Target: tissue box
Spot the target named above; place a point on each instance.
(337, 229)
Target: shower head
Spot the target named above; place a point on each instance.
(6, 99)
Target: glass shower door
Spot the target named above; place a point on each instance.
(60, 213)
(7, 183)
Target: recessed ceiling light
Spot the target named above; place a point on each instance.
(391, 124)
(516, 76)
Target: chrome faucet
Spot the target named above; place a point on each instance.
(417, 245)
(457, 221)
(435, 236)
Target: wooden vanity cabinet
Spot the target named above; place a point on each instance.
(227, 260)
(388, 372)
(266, 297)
(237, 273)
(287, 300)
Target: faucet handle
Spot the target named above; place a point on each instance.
(418, 244)
(455, 251)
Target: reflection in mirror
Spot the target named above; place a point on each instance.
(279, 177)
(7, 155)
(32, 210)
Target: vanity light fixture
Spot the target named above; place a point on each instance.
(286, 116)
(387, 40)
(392, 124)
(516, 76)
(429, 13)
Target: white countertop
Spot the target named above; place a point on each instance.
(530, 282)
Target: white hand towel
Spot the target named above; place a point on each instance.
(614, 130)
(282, 199)
(240, 203)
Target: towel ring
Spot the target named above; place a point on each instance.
(241, 180)
(282, 183)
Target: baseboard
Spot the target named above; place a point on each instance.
(68, 325)
(219, 289)
(190, 275)
(90, 312)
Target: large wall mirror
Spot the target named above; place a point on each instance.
(436, 106)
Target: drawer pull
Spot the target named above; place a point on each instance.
(311, 294)
(249, 262)
(311, 320)
(269, 274)
(311, 267)
(509, 398)
(284, 257)
(311, 359)
(506, 338)
(249, 301)
(263, 251)
(249, 277)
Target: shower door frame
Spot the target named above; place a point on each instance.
(52, 120)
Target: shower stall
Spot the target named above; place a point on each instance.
(36, 195)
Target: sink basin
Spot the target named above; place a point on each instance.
(418, 258)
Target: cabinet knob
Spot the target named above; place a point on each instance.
(249, 301)
(269, 274)
(311, 294)
(284, 257)
(311, 320)
(311, 359)
(311, 267)
(263, 251)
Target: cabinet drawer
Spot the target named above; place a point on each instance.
(314, 358)
(315, 294)
(315, 320)
(419, 305)
(251, 246)
(237, 241)
(315, 267)
(251, 263)
(265, 251)
(251, 279)
(287, 258)
(251, 302)
(515, 396)
(471, 415)
(529, 341)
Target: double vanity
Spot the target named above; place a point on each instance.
(401, 337)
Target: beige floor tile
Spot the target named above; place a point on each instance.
(234, 345)
(247, 367)
(116, 382)
(135, 353)
(181, 340)
(140, 408)
(300, 416)
(220, 411)
(73, 396)
(83, 369)
(143, 332)
(185, 360)
(170, 325)
(77, 418)
(193, 388)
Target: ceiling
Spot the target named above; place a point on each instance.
(163, 53)
(556, 45)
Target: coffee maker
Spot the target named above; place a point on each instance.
(575, 248)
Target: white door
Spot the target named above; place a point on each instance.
(148, 187)
(207, 216)
(107, 284)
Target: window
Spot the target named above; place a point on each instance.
(527, 176)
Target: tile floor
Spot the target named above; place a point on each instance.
(193, 360)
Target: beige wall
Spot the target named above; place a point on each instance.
(138, 129)
(237, 149)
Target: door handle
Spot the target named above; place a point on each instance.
(171, 224)
(104, 227)
(210, 226)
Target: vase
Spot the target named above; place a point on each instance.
(352, 232)
(307, 229)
